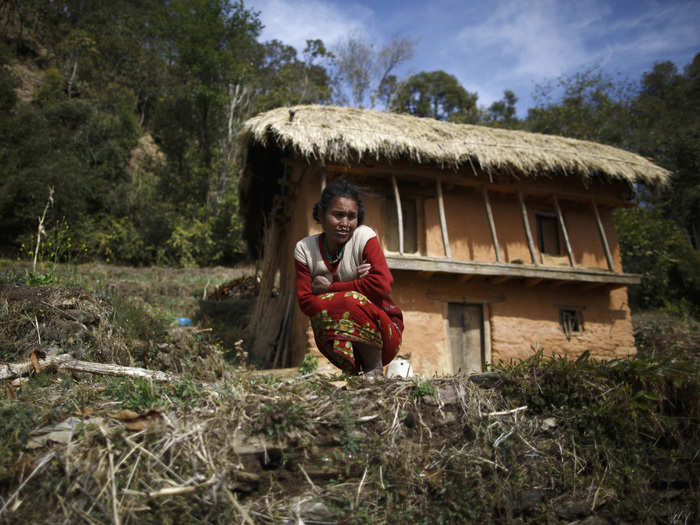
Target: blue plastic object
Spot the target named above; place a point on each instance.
(183, 321)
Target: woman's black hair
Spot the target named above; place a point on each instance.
(339, 188)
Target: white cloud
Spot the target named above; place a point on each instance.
(538, 39)
(293, 22)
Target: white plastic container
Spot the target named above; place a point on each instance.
(399, 368)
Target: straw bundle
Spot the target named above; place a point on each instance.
(340, 135)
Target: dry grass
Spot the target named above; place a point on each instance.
(348, 135)
(604, 442)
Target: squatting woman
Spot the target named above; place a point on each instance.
(343, 284)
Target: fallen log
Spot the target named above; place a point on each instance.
(65, 362)
(13, 370)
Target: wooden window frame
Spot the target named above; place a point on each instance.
(571, 320)
(539, 215)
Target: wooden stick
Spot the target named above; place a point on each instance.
(323, 178)
(12, 370)
(603, 238)
(186, 489)
(564, 232)
(528, 233)
(507, 412)
(443, 222)
(492, 224)
(399, 212)
(66, 362)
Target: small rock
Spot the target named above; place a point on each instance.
(448, 394)
(450, 417)
(316, 511)
(548, 423)
(574, 510)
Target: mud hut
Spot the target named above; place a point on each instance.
(501, 242)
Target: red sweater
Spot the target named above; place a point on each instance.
(376, 285)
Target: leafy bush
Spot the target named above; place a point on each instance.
(627, 414)
(658, 249)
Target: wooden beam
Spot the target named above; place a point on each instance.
(466, 277)
(529, 283)
(563, 231)
(524, 271)
(467, 178)
(426, 275)
(499, 280)
(526, 225)
(559, 283)
(603, 238)
(443, 222)
(399, 212)
(492, 224)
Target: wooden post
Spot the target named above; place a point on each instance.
(564, 232)
(443, 222)
(399, 212)
(603, 238)
(528, 233)
(492, 225)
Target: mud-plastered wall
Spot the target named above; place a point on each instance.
(520, 320)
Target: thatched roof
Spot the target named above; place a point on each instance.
(347, 136)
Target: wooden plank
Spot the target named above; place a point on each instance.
(399, 212)
(485, 316)
(492, 269)
(526, 225)
(559, 283)
(472, 338)
(455, 327)
(500, 280)
(443, 222)
(529, 283)
(560, 217)
(466, 277)
(603, 238)
(492, 224)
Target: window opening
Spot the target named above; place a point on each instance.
(571, 321)
(409, 213)
(548, 234)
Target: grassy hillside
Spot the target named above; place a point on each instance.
(553, 441)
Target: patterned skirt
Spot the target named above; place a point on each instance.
(347, 318)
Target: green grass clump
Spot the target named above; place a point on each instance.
(16, 421)
(634, 421)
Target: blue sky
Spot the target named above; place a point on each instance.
(501, 44)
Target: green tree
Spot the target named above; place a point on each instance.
(284, 80)
(668, 112)
(366, 71)
(657, 248)
(586, 105)
(438, 95)
(502, 113)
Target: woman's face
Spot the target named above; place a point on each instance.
(339, 221)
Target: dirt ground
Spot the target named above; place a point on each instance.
(550, 441)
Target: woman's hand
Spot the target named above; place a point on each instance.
(320, 284)
(363, 270)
